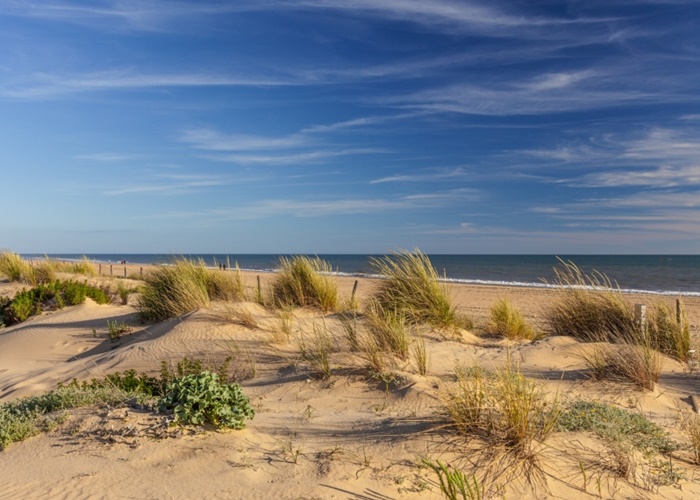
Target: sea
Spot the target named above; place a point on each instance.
(657, 274)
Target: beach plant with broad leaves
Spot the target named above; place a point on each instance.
(202, 398)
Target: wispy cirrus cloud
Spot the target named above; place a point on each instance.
(106, 157)
(549, 93)
(436, 175)
(657, 158)
(339, 206)
(176, 184)
(44, 85)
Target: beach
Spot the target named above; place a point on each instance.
(347, 436)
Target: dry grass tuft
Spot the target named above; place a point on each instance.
(225, 285)
(508, 322)
(173, 290)
(669, 334)
(412, 289)
(316, 348)
(184, 286)
(14, 268)
(691, 427)
(389, 328)
(305, 282)
(590, 308)
(627, 361)
(503, 407)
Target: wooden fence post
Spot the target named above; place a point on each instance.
(125, 271)
(354, 290)
(99, 269)
(640, 316)
(679, 311)
(141, 271)
(110, 270)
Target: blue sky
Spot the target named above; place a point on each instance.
(350, 126)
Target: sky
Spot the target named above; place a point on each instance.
(350, 126)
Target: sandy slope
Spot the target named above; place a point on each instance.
(349, 437)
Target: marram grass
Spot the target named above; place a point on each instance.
(184, 286)
(305, 282)
(508, 322)
(411, 287)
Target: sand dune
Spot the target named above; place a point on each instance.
(349, 437)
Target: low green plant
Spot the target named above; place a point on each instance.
(411, 288)
(305, 282)
(508, 322)
(617, 426)
(25, 417)
(454, 484)
(116, 330)
(200, 399)
(54, 295)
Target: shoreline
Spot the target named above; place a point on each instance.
(449, 281)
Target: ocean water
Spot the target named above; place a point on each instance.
(666, 274)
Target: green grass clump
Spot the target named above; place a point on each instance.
(454, 484)
(616, 426)
(14, 268)
(411, 288)
(305, 282)
(508, 322)
(173, 290)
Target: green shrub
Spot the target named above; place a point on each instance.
(411, 287)
(198, 399)
(54, 295)
(305, 282)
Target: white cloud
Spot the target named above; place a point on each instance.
(213, 140)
